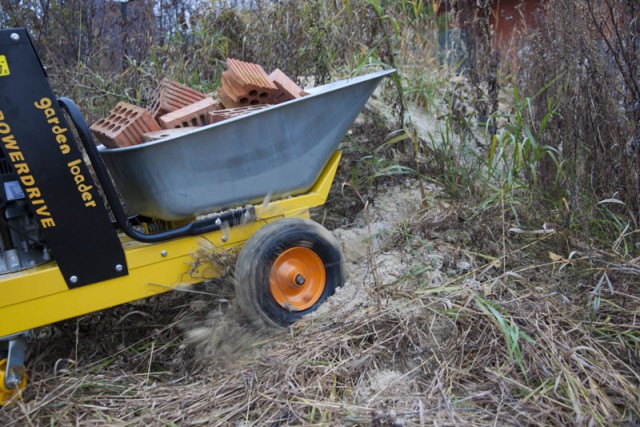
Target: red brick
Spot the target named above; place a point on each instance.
(221, 115)
(171, 96)
(251, 75)
(245, 84)
(232, 86)
(191, 115)
(124, 126)
(287, 88)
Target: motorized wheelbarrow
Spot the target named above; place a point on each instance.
(67, 249)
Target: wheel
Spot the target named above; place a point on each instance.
(286, 270)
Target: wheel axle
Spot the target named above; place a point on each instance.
(13, 379)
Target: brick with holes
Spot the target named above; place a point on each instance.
(124, 126)
(245, 84)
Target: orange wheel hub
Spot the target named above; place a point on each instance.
(297, 278)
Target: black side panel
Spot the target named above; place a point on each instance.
(36, 139)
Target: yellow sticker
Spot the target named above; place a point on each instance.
(4, 66)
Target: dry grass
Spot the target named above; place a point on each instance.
(507, 342)
(592, 48)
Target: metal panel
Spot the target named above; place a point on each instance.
(275, 151)
(36, 139)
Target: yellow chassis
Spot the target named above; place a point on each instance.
(40, 296)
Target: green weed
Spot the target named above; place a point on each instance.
(511, 333)
(513, 157)
(422, 88)
(453, 165)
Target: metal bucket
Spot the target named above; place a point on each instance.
(278, 151)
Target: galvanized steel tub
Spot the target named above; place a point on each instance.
(278, 151)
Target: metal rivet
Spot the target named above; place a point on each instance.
(15, 37)
(163, 253)
(225, 238)
(119, 268)
(73, 279)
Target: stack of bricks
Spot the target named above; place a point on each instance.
(245, 88)
(174, 105)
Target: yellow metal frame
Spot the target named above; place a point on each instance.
(40, 296)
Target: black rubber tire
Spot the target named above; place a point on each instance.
(254, 264)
